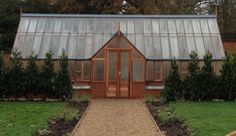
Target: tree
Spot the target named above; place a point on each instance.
(173, 84)
(191, 83)
(15, 76)
(63, 88)
(48, 77)
(32, 77)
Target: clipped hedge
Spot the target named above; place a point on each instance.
(202, 84)
(34, 81)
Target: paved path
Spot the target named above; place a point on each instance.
(117, 117)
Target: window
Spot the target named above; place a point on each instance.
(153, 71)
(158, 71)
(184, 67)
(138, 70)
(138, 65)
(82, 70)
(98, 70)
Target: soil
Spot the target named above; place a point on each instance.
(61, 126)
(170, 128)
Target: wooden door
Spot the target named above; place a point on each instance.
(118, 73)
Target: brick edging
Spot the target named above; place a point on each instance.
(77, 126)
(150, 115)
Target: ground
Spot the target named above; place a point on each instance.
(208, 118)
(22, 118)
(117, 117)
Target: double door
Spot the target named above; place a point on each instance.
(118, 73)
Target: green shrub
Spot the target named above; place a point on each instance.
(208, 79)
(63, 87)
(32, 77)
(191, 83)
(173, 84)
(47, 77)
(15, 76)
(228, 78)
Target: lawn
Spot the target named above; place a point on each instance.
(22, 118)
(208, 118)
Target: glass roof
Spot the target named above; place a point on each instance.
(156, 37)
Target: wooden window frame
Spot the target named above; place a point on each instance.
(104, 69)
(82, 71)
(160, 72)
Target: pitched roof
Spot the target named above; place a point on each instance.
(155, 36)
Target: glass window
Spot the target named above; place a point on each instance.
(149, 70)
(79, 70)
(86, 70)
(184, 67)
(138, 70)
(98, 70)
(158, 71)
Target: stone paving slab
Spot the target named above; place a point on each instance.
(117, 117)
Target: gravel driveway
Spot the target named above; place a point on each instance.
(117, 117)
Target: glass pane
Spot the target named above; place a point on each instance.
(148, 46)
(41, 25)
(163, 26)
(130, 26)
(32, 25)
(79, 70)
(49, 25)
(37, 43)
(100, 54)
(174, 46)
(138, 24)
(86, 70)
(65, 26)
(24, 25)
(124, 66)
(158, 70)
(183, 50)
(171, 26)
(188, 26)
(123, 26)
(155, 26)
(180, 26)
(200, 46)
(98, 70)
(147, 26)
(204, 26)
(138, 70)
(184, 67)
(191, 44)
(112, 64)
(136, 54)
(114, 43)
(149, 70)
(57, 26)
(157, 51)
(124, 43)
(165, 47)
(213, 26)
(196, 26)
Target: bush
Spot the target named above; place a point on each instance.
(63, 87)
(47, 76)
(15, 76)
(173, 84)
(208, 79)
(32, 77)
(191, 83)
(228, 78)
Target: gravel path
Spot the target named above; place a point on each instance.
(117, 117)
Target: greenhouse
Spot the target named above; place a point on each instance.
(120, 55)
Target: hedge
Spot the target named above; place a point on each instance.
(34, 81)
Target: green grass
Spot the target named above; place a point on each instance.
(208, 118)
(23, 118)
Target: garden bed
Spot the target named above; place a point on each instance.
(66, 122)
(168, 123)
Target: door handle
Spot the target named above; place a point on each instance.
(119, 73)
